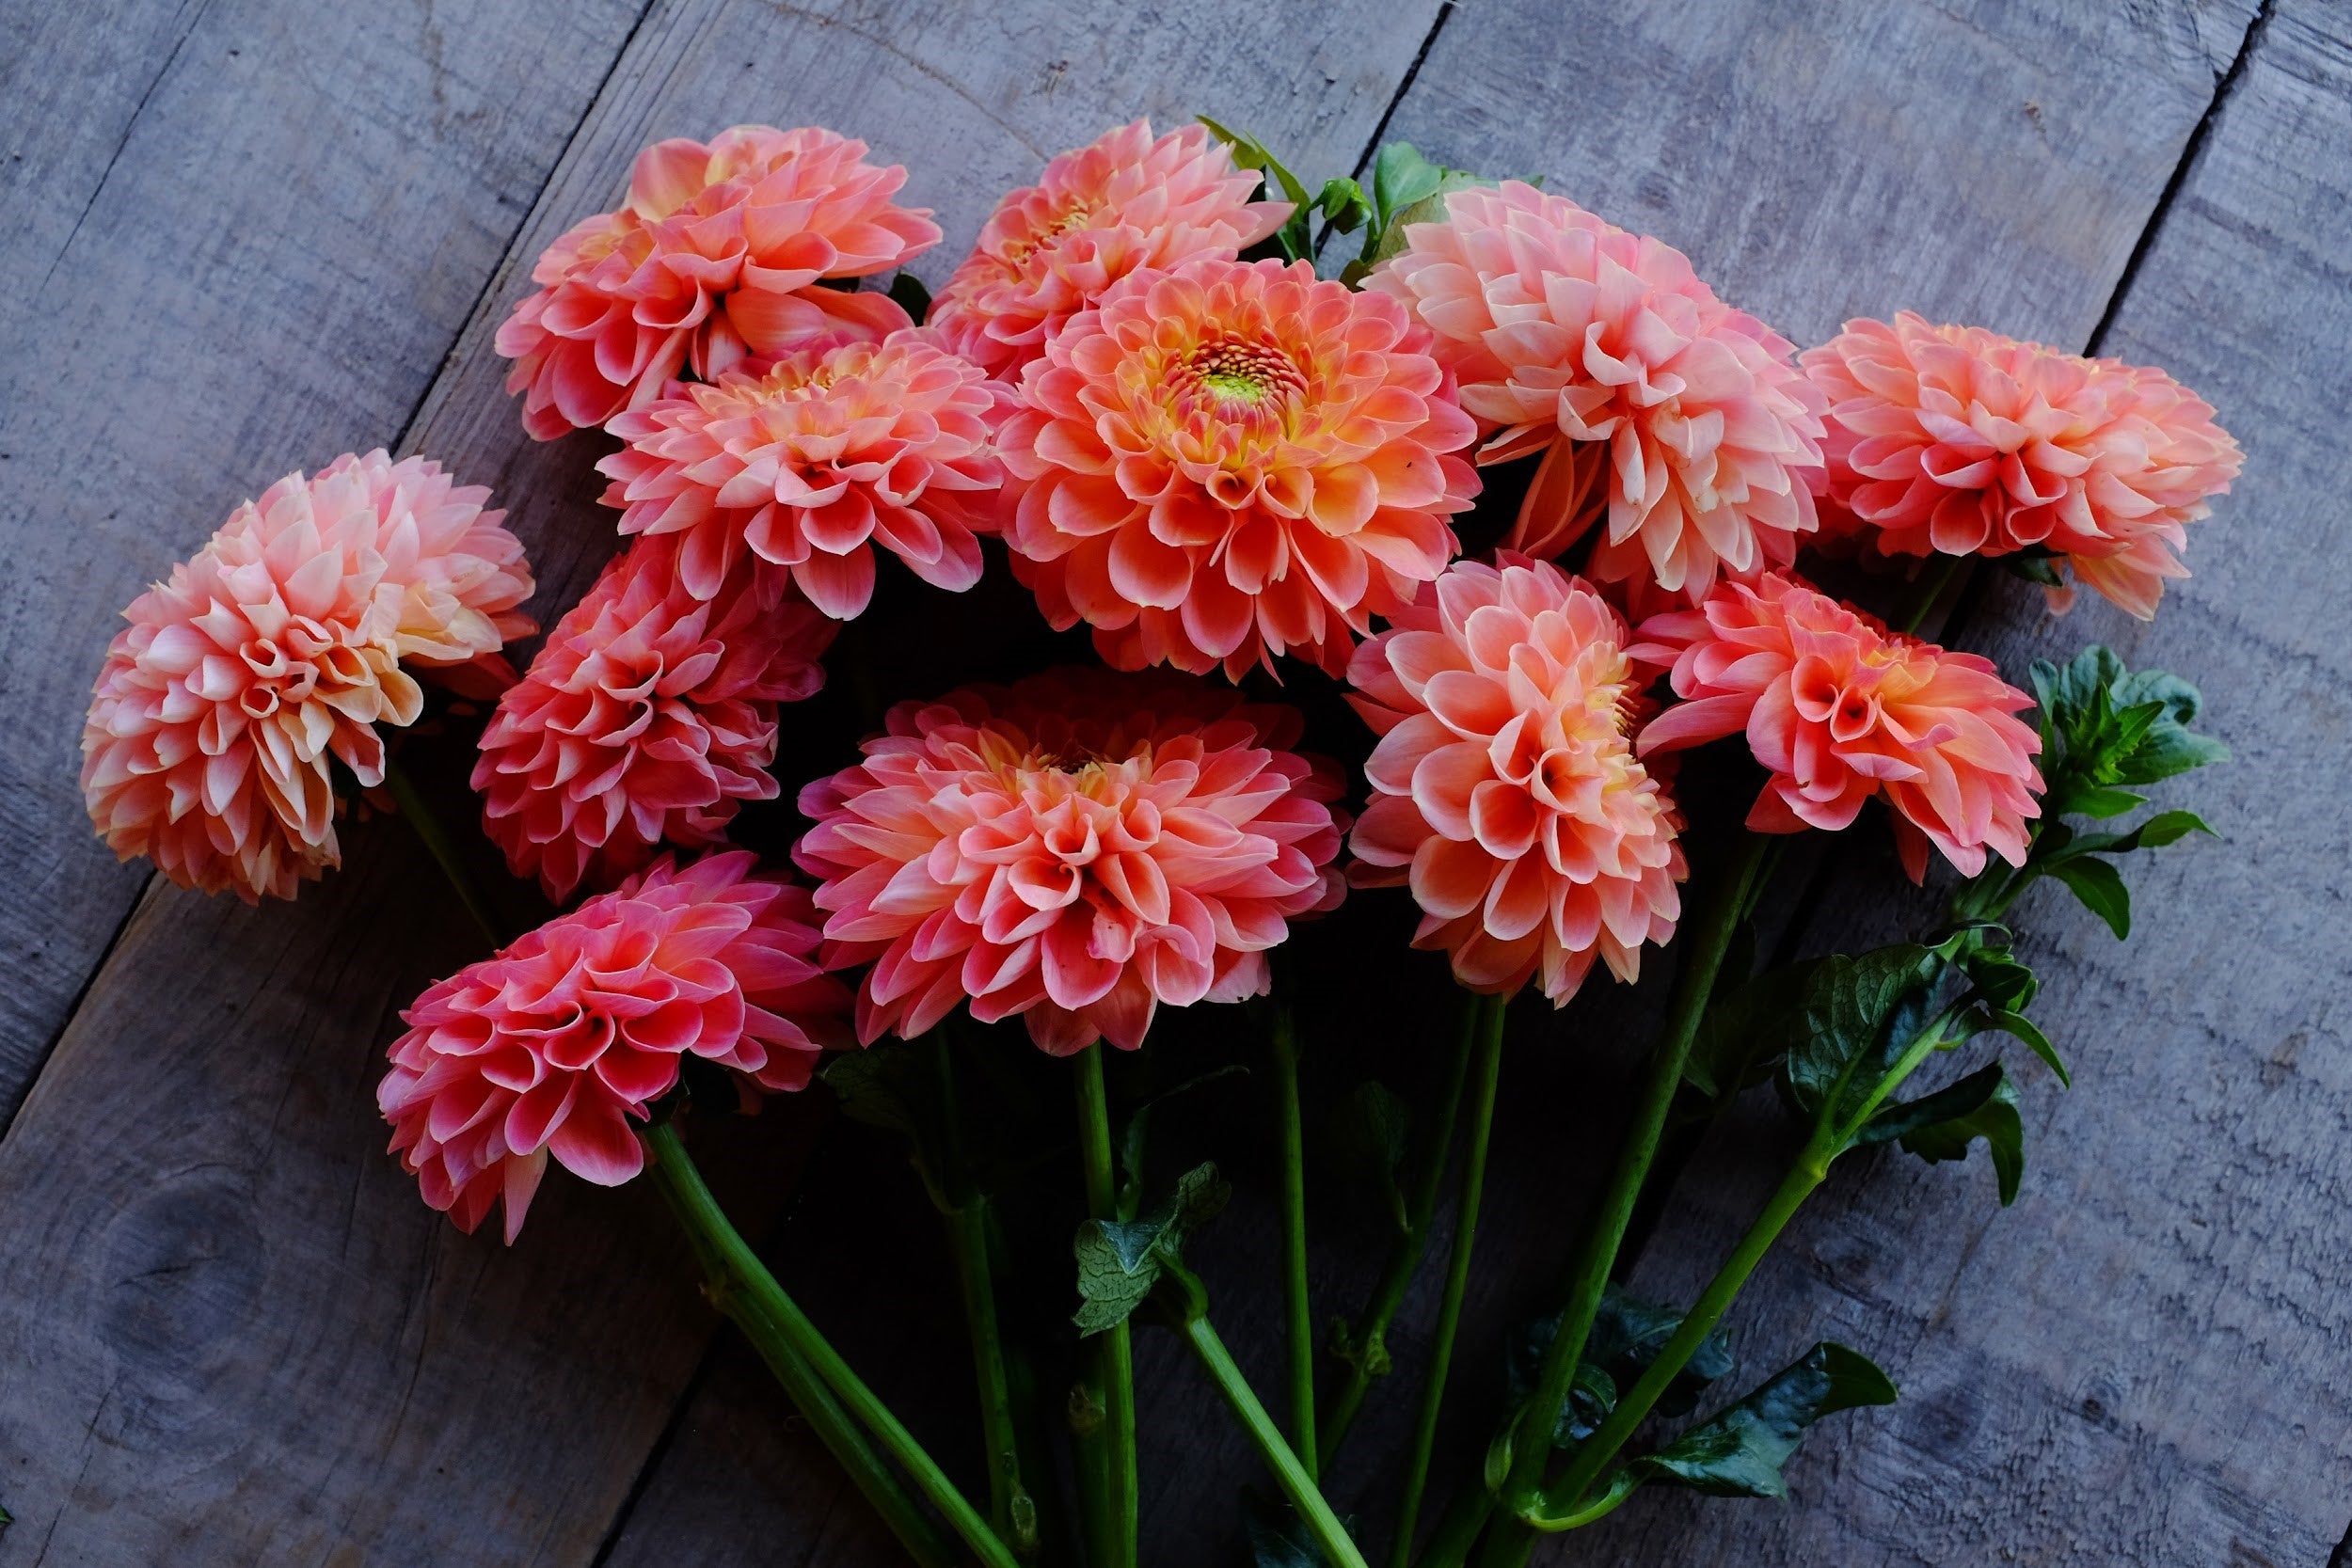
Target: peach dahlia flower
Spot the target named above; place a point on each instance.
(715, 256)
(1078, 849)
(278, 646)
(557, 1043)
(1233, 461)
(1504, 788)
(1959, 440)
(1839, 709)
(648, 718)
(1561, 329)
(808, 461)
(1119, 204)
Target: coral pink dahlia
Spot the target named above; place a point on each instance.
(1839, 709)
(715, 257)
(1563, 328)
(1231, 460)
(1078, 849)
(648, 718)
(1959, 440)
(1120, 204)
(557, 1043)
(280, 647)
(808, 461)
(1504, 788)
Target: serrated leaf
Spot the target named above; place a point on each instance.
(1860, 1012)
(1120, 1261)
(2105, 726)
(1995, 1120)
(2101, 888)
(1626, 1336)
(1747, 1029)
(1740, 1453)
(1368, 1135)
(911, 294)
(2000, 980)
(2019, 1026)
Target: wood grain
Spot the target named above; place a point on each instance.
(231, 1332)
(248, 233)
(2143, 1361)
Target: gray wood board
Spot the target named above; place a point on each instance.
(2145, 1360)
(248, 233)
(231, 1331)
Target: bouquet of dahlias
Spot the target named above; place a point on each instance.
(1429, 535)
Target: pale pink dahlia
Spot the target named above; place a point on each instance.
(648, 718)
(1959, 440)
(278, 646)
(1504, 788)
(1233, 461)
(556, 1045)
(1122, 203)
(1562, 328)
(1839, 709)
(1078, 849)
(715, 257)
(808, 461)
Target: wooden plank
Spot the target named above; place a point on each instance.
(231, 1331)
(2141, 1362)
(248, 232)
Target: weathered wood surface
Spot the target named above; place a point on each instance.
(248, 234)
(229, 1332)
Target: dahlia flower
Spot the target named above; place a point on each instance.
(648, 718)
(555, 1044)
(1122, 203)
(1839, 709)
(1959, 440)
(1504, 788)
(1563, 328)
(278, 646)
(715, 257)
(1078, 849)
(1232, 461)
(809, 460)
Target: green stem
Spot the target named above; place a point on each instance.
(1010, 1508)
(1491, 1011)
(1369, 1341)
(427, 827)
(1806, 1174)
(1283, 1042)
(1935, 575)
(1115, 1361)
(741, 1287)
(1457, 1530)
(1509, 1546)
(1339, 1549)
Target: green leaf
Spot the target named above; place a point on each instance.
(1135, 1135)
(1995, 1120)
(1627, 1333)
(1344, 205)
(1400, 177)
(2000, 980)
(1747, 1029)
(2034, 567)
(1120, 1261)
(1250, 152)
(1278, 1537)
(1428, 209)
(2105, 726)
(2102, 803)
(1860, 1013)
(890, 1085)
(1740, 1453)
(2021, 1027)
(1366, 1140)
(2101, 888)
(912, 296)
(1954, 1102)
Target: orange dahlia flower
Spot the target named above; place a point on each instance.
(1122, 203)
(1959, 440)
(715, 257)
(557, 1043)
(1504, 788)
(809, 460)
(1232, 461)
(278, 646)
(648, 718)
(1564, 329)
(1078, 849)
(1839, 709)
